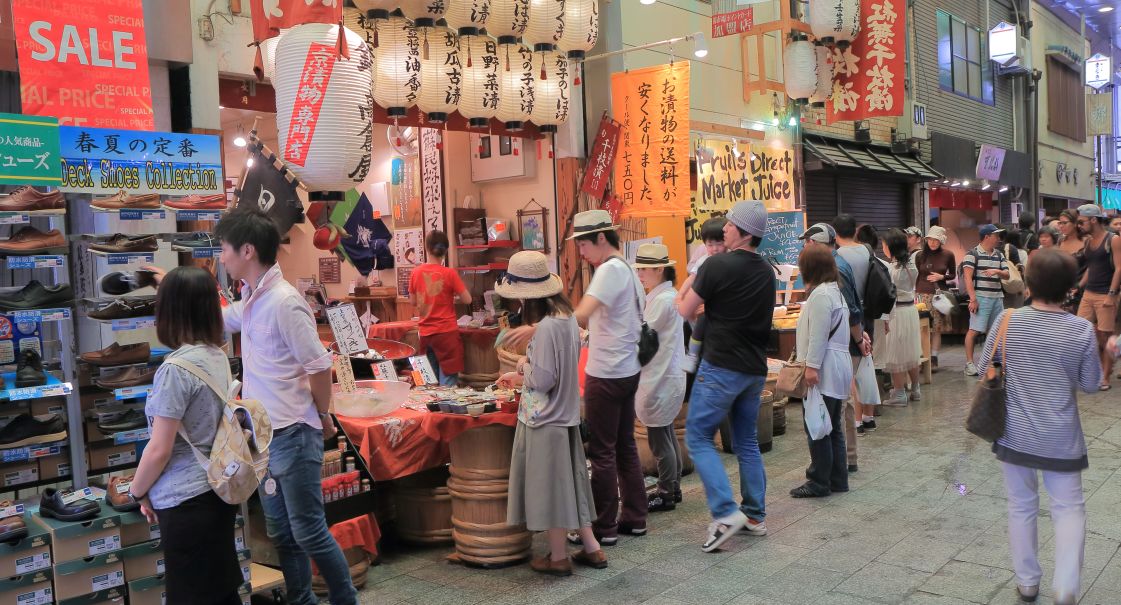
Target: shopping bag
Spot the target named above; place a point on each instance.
(816, 414)
(867, 389)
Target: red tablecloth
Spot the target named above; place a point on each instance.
(409, 441)
(391, 330)
(362, 532)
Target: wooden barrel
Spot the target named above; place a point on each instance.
(508, 359)
(479, 356)
(764, 426)
(479, 487)
(778, 422)
(357, 559)
(649, 464)
(424, 508)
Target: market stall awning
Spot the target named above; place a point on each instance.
(851, 155)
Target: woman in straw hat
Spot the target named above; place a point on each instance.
(549, 486)
(661, 389)
(937, 267)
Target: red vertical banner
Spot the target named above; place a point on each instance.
(602, 158)
(85, 62)
(868, 75)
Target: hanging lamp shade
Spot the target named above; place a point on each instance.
(546, 24)
(440, 73)
(376, 9)
(507, 20)
(268, 54)
(824, 68)
(516, 82)
(323, 106)
(397, 65)
(424, 13)
(551, 90)
(799, 68)
(835, 21)
(357, 22)
(478, 100)
(467, 17)
(581, 27)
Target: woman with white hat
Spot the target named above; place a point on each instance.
(661, 388)
(937, 266)
(549, 486)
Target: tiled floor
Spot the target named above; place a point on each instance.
(924, 524)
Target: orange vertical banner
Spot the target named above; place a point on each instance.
(652, 167)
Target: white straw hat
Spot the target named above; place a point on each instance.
(937, 233)
(528, 276)
(652, 256)
(591, 221)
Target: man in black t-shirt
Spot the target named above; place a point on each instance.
(737, 290)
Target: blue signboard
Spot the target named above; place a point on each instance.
(106, 160)
(781, 243)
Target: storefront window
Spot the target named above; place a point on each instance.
(962, 66)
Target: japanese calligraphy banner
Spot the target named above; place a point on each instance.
(730, 172)
(105, 160)
(868, 75)
(730, 18)
(29, 150)
(652, 174)
(603, 156)
(1099, 114)
(84, 61)
(432, 179)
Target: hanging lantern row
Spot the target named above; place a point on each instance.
(807, 66)
(835, 22)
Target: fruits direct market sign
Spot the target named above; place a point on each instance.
(105, 160)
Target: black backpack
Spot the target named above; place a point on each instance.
(879, 290)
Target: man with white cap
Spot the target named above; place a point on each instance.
(738, 291)
(1101, 280)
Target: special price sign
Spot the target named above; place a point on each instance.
(84, 61)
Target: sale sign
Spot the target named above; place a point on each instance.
(868, 75)
(85, 62)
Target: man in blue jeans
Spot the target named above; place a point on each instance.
(737, 290)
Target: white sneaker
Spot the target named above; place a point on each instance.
(916, 394)
(755, 528)
(970, 369)
(897, 399)
(721, 529)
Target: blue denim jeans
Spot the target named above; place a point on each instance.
(295, 520)
(719, 393)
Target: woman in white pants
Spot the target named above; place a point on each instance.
(1048, 354)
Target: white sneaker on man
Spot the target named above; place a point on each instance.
(721, 529)
(970, 369)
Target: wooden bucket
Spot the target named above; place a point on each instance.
(424, 508)
(508, 359)
(779, 420)
(641, 437)
(764, 426)
(358, 560)
(479, 358)
(479, 488)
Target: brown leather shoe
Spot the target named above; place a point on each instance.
(117, 496)
(30, 240)
(126, 243)
(32, 201)
(123, 308)
(129, 377)
(198, 202)
(595, 559)
(13, 527)
(548, 566)
(122, 199)
(118, 355)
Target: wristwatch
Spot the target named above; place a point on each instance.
(1113, 292)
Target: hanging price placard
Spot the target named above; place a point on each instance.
(344, 373)
(347, 329)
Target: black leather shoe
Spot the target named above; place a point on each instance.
(29, 369)
(37, 296)
(25, 430)
(118, 282)
(51, 505)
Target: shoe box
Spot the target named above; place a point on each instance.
(26, 555)
(135, 529)
(245, 591)
(82, 539)
(89, 576)
(109, 596)
(51, 405)
(54, 467)
(245, 562)
(143, 560)
(239, 533)
(147, 591)
(33, 588)
(113, 455)
(18, 473)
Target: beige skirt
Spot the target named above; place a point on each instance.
(902, 348)
(549, 482)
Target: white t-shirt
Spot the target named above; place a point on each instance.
(614, 326)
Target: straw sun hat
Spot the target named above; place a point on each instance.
(528, 276)
(591, 221)
(652, 256)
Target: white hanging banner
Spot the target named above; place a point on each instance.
(1098, 71)
(432, 180)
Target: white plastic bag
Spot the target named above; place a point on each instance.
(816, 414)
(943, 303)
(866, 387)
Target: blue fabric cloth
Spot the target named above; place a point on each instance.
(368, 244)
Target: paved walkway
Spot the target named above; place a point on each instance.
(923, 524)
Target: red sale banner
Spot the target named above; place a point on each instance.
(868, 75)
(85, 62)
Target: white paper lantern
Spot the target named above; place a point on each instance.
(516, 81)
(357, 22)
(799, 68)
(376, 9)
(546, 24)
(507, 19)
(835, 21)
(440, 73)
(467, 17)
(268, 54)
(824, 65)
(324, 107)
(581, 27)
(478, 101)
(551, 93)
(424, 13)
(398, 65)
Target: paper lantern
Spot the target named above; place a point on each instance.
(824, 65)
(376, 9)
(467, 17)
(478, 100)
(581, 27)
(323, 106)
(357, 22)
(551, 90)
(515, 85)
(424, 13)
(546, 24)
(397, 65)
(835, 21)
(799, 68)
(268, 54)
(507, 20)
(440, 73)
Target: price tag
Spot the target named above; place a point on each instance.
(43, 451)
(73, 496)
(347, 329)
(133, 323)
(43, 596)
(35, 262)
(109, 580)
(344, 373)
(11, 511)
(14, 218)
(33, 563)
(198, 215)
(128, 258)
(18, 454)
(132, 436)
(133, 392)
(384, 370)
(205, 252)
(134, 214)
(422, 369)
(50, 390)
(41, 315)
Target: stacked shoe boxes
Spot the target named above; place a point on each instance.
(88, 566)
(25, 566)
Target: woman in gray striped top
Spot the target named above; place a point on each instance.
(1049, 355)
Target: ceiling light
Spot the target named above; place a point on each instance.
(774, 121)
(700, 47)
(1004, 188)
(965, 183)
(986, 187)
(239, 141)
(249, 162)
(647, 2)
(1105, 9)
(954, 184)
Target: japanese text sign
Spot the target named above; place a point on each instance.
(868, 75)
(29, 150)
(84, 61)
(1098, 71)
(652, 174)
(730, 172)
(347, 329)
(105, 160)
(1099, 114)
(603, 156)
(989, 162)
(309, 100)
(733, 22)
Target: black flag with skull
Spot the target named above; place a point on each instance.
(268, 186)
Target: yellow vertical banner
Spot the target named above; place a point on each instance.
(1099, 114)
(652, 166)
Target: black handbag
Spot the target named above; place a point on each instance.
(647, 337)
(988, 412)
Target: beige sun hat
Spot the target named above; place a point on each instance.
(591, 221)
(652, 256)
(528, 276)
(937, 233)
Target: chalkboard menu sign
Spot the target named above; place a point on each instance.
(781, 243)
